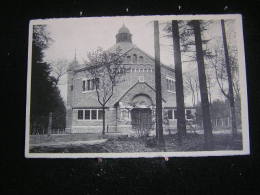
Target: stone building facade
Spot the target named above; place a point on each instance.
(132, 107)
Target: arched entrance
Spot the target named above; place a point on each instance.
(141, 114)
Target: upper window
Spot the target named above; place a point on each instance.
(170, 84)
(134, 58)
(128, 59)
(83, 85)
(141, 59)
(90, 84)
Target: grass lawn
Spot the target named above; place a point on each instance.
(192, 142)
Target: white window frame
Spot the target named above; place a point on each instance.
(83, 117)
(90, 119)
(169, 79)
(86, 85)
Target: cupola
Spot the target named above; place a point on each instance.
(123, 35)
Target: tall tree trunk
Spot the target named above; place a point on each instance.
(104, 120)
(50, 124)
(181, 121)
(159, 127)
(230, 82)
(203, 86)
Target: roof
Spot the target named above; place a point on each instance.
(124, 29)
(134, 87)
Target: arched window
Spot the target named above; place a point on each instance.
(128, 59)
(134, 58)
(141, 59)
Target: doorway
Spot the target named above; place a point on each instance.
(141, 120)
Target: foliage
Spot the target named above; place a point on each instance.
(218, 66)
(220, 109)
(106, 69)
(45, 96)
(58, 70)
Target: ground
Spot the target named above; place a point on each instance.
(93, 143)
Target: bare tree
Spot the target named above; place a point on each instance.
(106, 69)
(191, 86)
(58, 70)
(225, 65)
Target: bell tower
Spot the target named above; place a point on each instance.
(70, 89)
(123, 35)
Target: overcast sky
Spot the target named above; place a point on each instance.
(86, 34)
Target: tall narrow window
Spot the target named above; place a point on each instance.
(80, 114)
(100, 114)
(87, 114)
(170, 114)
(134, 58)
(83, 85)
(93, 84)
(128, 59)
(97, 83)
(170, 84)
(141, 59)
(175, 114)
(188, 114)
(88, 85)
(93, 114)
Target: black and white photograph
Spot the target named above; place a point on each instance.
(136, 86)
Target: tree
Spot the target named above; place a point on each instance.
(181, 120)
(106, 69)
(159, 127)
(191, 85)
(225, 67)
(58, 70)
(230, 82)
(195, 24)
(45, 96)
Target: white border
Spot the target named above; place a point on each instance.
(244, 107)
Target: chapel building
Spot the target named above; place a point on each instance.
(133, 104)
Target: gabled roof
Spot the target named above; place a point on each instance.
(126, 47)
(134, 87)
